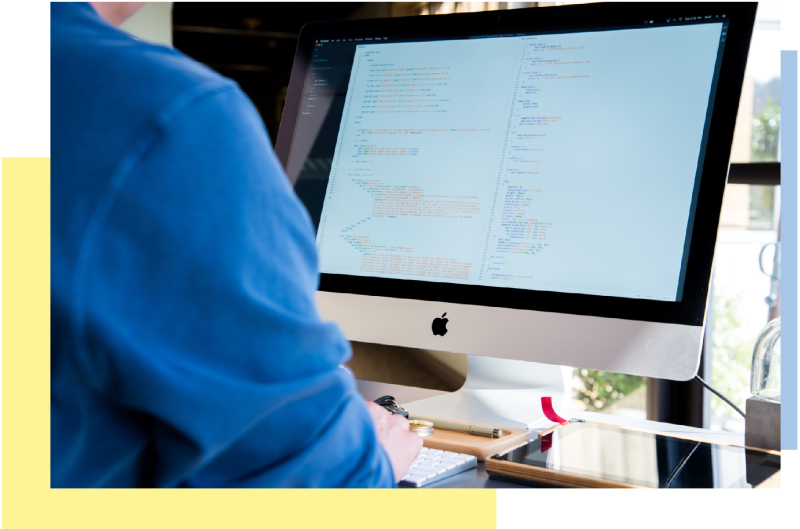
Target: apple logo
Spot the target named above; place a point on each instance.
(439, 325)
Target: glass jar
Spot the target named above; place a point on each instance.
(765, 375)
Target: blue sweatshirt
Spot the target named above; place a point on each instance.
(186, 346)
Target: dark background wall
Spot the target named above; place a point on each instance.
(254, 43)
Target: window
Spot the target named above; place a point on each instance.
(758, 122)
(743, 296)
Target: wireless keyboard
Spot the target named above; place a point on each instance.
(435, 465)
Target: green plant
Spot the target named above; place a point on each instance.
(599, 390)
(764, 144)
(733, 353)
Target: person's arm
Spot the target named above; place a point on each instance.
(196, 309)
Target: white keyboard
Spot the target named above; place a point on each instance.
(435, 465)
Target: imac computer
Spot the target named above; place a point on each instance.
(534, 188)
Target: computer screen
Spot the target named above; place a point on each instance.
(564, 163)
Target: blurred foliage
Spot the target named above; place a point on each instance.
(598, 390)
(733, 356)
(762, 207)
(764, 144)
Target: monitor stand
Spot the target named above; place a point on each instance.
(499, 391)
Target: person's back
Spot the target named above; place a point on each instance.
(186, 346)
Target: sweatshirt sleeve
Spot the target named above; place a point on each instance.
(196, 309)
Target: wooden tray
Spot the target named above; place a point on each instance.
(474, 445)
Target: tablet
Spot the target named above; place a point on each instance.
(598, 455)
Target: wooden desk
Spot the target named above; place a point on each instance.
(478, 478)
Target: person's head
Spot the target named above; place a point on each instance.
(116, 12)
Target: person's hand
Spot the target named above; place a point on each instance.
(401, 445)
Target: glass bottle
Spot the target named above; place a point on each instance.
(765, 375)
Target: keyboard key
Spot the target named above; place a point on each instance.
(434, 465)
(451, 463)
(415, 480)
(426, 468)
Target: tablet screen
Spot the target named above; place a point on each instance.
(646, 459)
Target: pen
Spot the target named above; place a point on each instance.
(474, 429)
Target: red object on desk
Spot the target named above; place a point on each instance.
(550, 413)
(547, 442)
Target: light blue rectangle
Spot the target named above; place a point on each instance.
(789, 250)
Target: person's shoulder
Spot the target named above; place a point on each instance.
(162, 69)
(91, 59)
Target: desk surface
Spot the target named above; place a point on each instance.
(478, 478)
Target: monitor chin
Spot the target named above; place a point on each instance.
(642, 348)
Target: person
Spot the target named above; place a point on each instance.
(187, 350)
